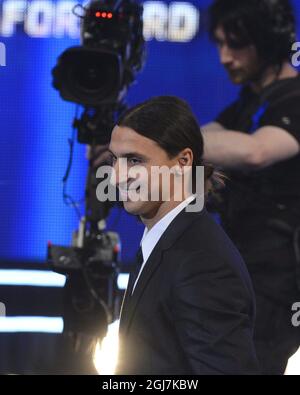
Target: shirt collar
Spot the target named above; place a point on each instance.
(151, 237)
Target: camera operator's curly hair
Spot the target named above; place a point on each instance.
(269, 25)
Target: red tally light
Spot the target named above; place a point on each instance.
(98, 14)
(104, 14)
(109, 15)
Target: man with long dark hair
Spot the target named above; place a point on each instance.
(189, 308)
(256, 140)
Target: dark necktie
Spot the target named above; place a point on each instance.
(137, 267)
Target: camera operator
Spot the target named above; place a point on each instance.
(256, 142)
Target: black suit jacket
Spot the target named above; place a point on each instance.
(192, 311)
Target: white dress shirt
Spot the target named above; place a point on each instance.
(151, 237)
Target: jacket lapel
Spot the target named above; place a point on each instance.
(175, 230)
(130, 301)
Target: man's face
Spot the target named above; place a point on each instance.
(136, 152)
(243, 65)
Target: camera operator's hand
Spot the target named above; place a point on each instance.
(99, 155)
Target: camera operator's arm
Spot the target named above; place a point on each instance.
(233, 149)
(212, 127)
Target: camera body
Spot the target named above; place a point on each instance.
(97, 73)
(90, 297)
(112, 51)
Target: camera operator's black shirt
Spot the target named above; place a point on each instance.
(259, 206)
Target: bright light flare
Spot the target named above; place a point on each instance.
(293, 366)
(106, 352)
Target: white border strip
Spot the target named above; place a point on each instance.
(31, 324)
(33, 278)
(43, 278)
